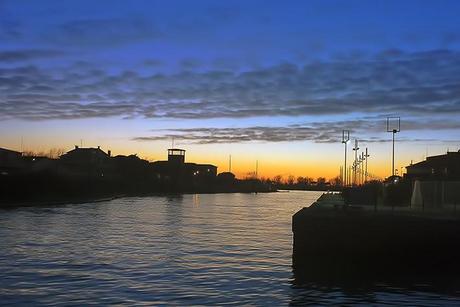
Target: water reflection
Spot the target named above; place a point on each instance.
(177, 249)
(319, 284)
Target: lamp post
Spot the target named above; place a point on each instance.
(395, 129)
(355, 149)
(345, 139)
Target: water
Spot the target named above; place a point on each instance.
(186, 250)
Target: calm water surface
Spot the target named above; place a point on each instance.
(180, 250)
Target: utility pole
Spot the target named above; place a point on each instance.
(353, 167)
(393, 130)
(349, 174)
(358, 174)
(230, 164)
(345, 140)
(341, 175)
(257, 168)
(355, 149)
(367, 158)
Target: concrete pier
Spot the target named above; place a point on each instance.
(334, 241)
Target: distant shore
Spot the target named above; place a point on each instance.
(59, 202)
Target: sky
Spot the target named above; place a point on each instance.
(268, 81)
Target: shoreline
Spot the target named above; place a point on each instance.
(40, 203)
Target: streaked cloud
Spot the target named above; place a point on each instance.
(319, 132)
(28, 54)
(394, 81)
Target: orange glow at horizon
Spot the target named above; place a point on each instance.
(304, 159)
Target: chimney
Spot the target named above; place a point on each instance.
(98, 147)
(76, 146)
(109, 153)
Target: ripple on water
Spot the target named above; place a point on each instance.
(192, 249)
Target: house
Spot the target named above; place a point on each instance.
(441, 167)
(85, 161)
(129, 167)
(39, 164)
(226, 178)
(10, 161)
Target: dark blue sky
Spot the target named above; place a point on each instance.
(230, 72)
(210, 34)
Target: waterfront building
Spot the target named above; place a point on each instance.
(85, 161)
(176, 169)
(10, 161)
(435, 181)
(445, 167)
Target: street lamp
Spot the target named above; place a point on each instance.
(345, 139)
(393, 128)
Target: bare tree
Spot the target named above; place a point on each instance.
(277, 179)
(321, 181)
(53, 153)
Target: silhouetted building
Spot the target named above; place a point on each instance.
(176, 156)
(177, 169)
(441, 167)
(226, 177)
(201, 170)
(129, 166)
(10, 161)
(37, 164)
(435, 182)
(85, 161)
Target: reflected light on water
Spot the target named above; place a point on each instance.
(178, 249)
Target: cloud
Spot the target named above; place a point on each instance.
(392, 82)
(319, 132)
(30, 54)
(190, 63)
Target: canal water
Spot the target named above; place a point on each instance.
(181, 250)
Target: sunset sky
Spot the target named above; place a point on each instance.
(273, 81)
